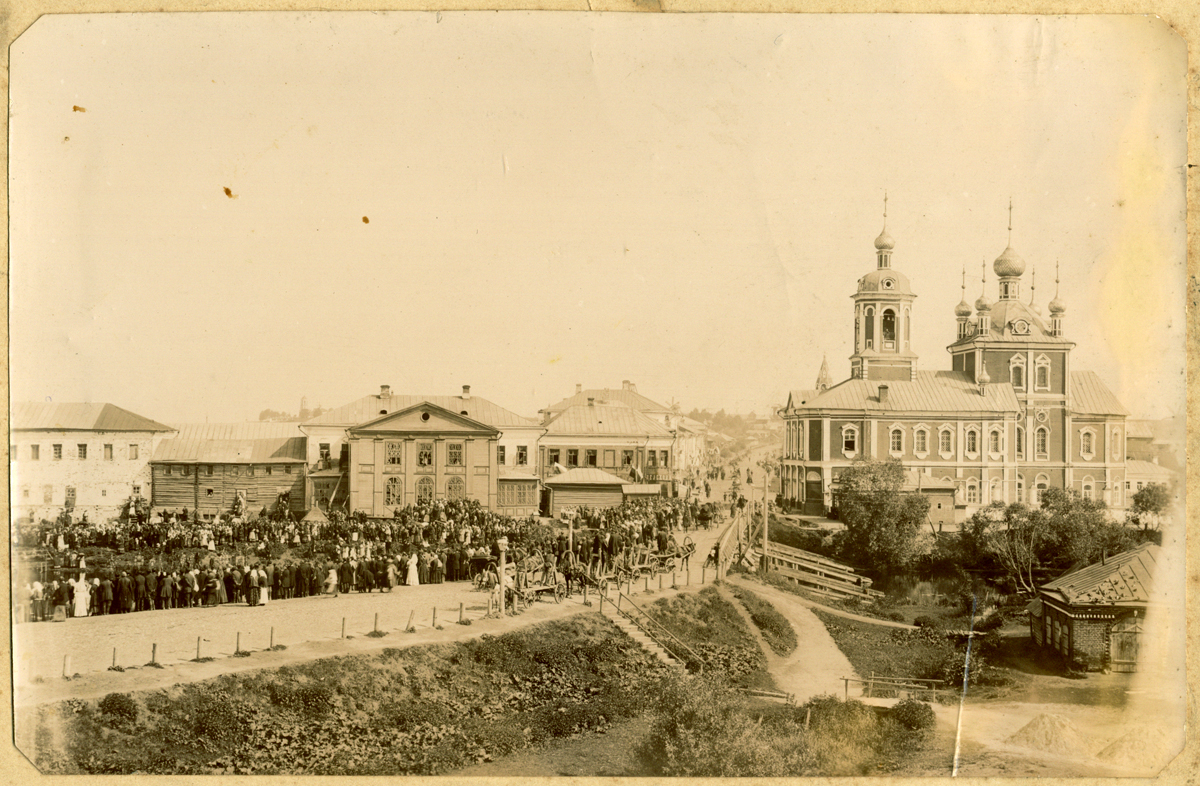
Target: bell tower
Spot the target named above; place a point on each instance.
(883, 308)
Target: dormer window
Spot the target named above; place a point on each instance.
(1020, 327)
(889, 283)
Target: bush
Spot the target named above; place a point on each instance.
(993, 621)
(914, 715)
(119, 707)
(926, 621)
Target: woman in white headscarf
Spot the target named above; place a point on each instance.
(331, 581)
(83, 597)
(414, 575)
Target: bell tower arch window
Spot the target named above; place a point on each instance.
(870, 331)
(888, 329)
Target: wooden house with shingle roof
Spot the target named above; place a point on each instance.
(1096, 614)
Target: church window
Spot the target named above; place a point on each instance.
(1020, 488)
(454, 454)
(945, 441)
(889, 325)
(994, 441)
(393, 491)
(425, 454)
(1041, 439)
(1116, 444)
(972, 493)
(921, 441)
(1089, 488)
(1041, 374)
(897, 437)
(1020, 442)
(972, 441)
(849, 440)
(1087, 443)
(907, 327)
(870, 328)
(425, 489)
(456, 488)
(1016, 367)
(1040, 485)
(395, 452)
(994, 493)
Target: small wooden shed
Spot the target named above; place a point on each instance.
(1095, 615)
(586, 486)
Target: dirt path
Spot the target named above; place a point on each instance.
(817, 665)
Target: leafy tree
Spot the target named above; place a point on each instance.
(1016, 537)
(1080, 530)
(1150, 505)
(882, 521)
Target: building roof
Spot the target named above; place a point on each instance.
(1148, 469)
(234, 443)
(629, 398)
(799, 398)
(919, 481)
(508, 473)
(1126, 578)
(1139, 429)
(931, 391)
(1005, 316)
(585, 476)
(371, 407)
(43, 416)
(650, 489)
(605, 419)
(315, 515)
(1090, 396)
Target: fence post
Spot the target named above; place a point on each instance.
(272, 637)
(377, 622)
(238, 646)
(409, 626)
(847, 683)
(435, 617)
(871, 686)
(343, 627)
(647, 578)
(460, 611)
(115, 657)
(154, 653)
(197, 649)
(703, 573)
(660, 581)
(66, 666)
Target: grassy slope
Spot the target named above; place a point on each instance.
(776, 629)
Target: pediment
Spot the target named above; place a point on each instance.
(425, 418)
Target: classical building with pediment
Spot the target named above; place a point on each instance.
(395, 450)
(1011, 417)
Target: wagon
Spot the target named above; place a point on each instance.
(673, 558)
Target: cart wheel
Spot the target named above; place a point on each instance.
(560, 592)
(602, 585)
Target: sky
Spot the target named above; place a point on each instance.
(215, 214)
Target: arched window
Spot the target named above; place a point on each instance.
(455, 488)
(907, 327)
(994, 493)
(897, 441)
(972, 493)
(1116, 444)
(994, 441)
(425, 490)
(921, 441)
(1041, 442)
(849, 440)
(1020, 488)
(888, 325)
(1089, 488)
(972, 441)
(393, 492)
(857, 330)
(870, 328)
(1016, 367)
(1020, 442)
(1087, 443)
(1040, 485)
(945, 441)
(1041, 374)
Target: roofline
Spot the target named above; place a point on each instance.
(914, 412)
(164, 430)
(223, 462)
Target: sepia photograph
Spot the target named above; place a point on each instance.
(575, 394)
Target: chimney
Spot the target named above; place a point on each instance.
(883, 394)
(466, 391)
(591, 401)
(578, 388)
(385, 391)
(624, 384)
(545, 413)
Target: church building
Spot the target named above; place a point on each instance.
(1010, 419)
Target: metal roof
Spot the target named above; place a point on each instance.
(931, 391)
(1127, 577)
(1139, 429)
(914, 480)
(629, 398)
(585, 476)
(371, 407)
(1090, 396)
(45, 416)
(507, 473)
(607, 419)
(800, 397)
(642, 488)
(1147, 469)
(234, 443)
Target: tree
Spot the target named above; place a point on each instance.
(1015, 537)
(1080, 530)
(882, 521)
(1150, 505)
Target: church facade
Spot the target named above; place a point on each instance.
(1010, 419)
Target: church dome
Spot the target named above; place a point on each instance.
(884, 242)
(1057, 307)
(886, 280)
(963, 309)
(1009, 264)
(984, 377)
(983, 304)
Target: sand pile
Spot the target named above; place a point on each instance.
(1053, 734)
(1140, 748)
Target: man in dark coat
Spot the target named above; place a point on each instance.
(452, 564)
(250, 586)
(345, 576)
(125, 596)
(201, 588)
(286, 582)
(270, 587)
(105, 596)
(166, 591)
(233, 585)
(139, 591)
(151, 590)
(183, 593)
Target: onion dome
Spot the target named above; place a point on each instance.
(963, 309)
(1057, 307)
(1009, 264)
(983, 304)
(984, 378)
(884, 242)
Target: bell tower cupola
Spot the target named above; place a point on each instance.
(883, 310)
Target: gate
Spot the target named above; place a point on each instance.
(1123, 646)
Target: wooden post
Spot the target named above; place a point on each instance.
(847, 683)
(703, 572)
(647, 578)
(807, 717)
(585, 602)
(238, 647)
(409, 626)
(660, 581)
(67, 666)
(377, 622)
(435, 617)
(197, 648)
(154, 653)
(489, 604)
(272, 637)
(618, 602)
(115, 656)
(343, 627)
(460, 611)
(871, 686)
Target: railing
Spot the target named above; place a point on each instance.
(911, 685)
(726, 543)
(654, 629)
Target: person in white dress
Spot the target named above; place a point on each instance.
(83, 597)
(413, 573)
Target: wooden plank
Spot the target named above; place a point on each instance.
(845, 589)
